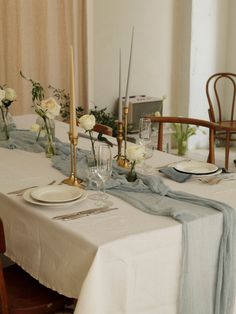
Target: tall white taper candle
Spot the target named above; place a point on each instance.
(128, 77)
(72, 96)
(120, 108)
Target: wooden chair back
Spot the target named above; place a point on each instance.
(104, 129)
(183, 120)
(221, 93)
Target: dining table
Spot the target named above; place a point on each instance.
(124, 261)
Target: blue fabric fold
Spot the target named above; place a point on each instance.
(207, 283)
(175, 175)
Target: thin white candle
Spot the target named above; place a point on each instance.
(128, 77)
(120, 113)
(72, 96)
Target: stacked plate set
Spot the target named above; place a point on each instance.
(54, 195)
(197, 168)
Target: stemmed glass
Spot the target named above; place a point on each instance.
(104, 165)
(145, 132)
(93, 177)
(99, 170)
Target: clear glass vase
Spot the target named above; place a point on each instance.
(182, 148)
(6, 124)
(50, 149)
(50, 124)
(132, 175)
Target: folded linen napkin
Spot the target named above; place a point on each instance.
(175, 175)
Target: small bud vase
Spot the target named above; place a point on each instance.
(6, 124)
(50, 149)
(182, 148)
(131, 175)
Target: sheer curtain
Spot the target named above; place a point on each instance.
(35, 38)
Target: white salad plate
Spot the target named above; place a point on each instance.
(56, 193)
(28, 198)
(196, 167)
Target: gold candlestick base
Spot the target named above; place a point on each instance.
(73, 180)
(122, 162)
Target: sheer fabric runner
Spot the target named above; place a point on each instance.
(207, 286)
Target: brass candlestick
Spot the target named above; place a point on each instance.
(73, 180)
(122, 160)
(120, 157)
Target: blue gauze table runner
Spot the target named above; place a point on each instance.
(207, 286)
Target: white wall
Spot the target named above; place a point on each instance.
(177, 46)
(111, 22)
(208, 50)
(231, 45)
(207, 56)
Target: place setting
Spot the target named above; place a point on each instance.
(184, 170)
(54, 195)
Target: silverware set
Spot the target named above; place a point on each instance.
(84, 213)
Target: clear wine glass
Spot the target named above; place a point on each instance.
(145, 139)
(94, 178)
(104, 165)
(145, 130)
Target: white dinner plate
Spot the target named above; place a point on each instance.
(195, 167)
(56, 193)
(28, 198)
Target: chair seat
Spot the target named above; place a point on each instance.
(228, 124)
(221, 135)
(27, 295)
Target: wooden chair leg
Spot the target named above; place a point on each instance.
(227, 150)
(160, 137)
(211, 155)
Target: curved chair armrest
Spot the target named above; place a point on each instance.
(198, 122)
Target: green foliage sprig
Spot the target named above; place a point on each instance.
(106, 118)
(183, 131)
(63, 98)
(37, 90)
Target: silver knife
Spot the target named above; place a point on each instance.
(84, 213)
(22, 190)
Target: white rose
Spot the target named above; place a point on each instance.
(87, 122)
(35, 127)
(135, 153)
(10, 94)
(157, 114)
(2, 94)
(50, 107)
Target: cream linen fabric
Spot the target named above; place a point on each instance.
(124, 261)
(35, 38)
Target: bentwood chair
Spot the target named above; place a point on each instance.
(221, 93)
(182, 120)
(21, 294)
(104, 129)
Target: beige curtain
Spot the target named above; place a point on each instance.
(35, 37)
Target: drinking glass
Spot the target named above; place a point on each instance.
(104, 165)
(145, 131)
(94, 178)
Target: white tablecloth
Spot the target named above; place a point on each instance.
(123, 261)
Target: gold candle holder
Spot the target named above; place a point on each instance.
(120, 157)
(73, 180)
(122, 160)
